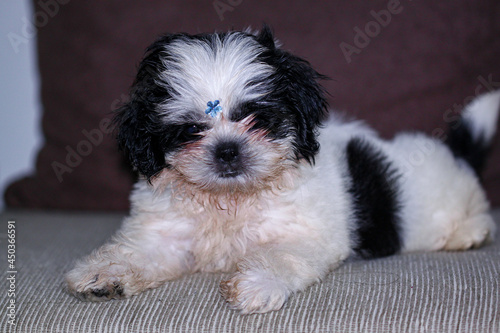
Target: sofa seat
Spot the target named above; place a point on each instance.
(420, 292)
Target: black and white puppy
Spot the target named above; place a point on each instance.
(237, 176)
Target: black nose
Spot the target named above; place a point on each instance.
(227, 152)
(228, 159)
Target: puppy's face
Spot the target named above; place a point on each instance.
(223, 113)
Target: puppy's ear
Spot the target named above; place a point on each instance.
(297, 85)
(138, 138)
(266, 37)
(141, 133)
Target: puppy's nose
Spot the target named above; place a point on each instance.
(227, 152)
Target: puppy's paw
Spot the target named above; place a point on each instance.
(471, 233)
(254, 292)
(95, 287)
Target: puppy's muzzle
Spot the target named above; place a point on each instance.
(228, 159)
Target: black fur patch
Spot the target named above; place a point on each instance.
(374, 190)
(297, 93)
(464, 146)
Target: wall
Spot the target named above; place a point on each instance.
(20, 135)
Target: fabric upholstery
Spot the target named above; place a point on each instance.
(421, 292)
(409, 66)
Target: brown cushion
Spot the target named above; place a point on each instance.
(399, 65)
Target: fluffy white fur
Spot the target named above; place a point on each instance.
(282, 241)
(285, 223)
(195, 75)
(481, 114)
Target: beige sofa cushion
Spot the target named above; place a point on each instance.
(423, 292)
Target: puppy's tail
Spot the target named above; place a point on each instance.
(470, 138)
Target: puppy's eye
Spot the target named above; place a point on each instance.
(193, 129)
(191, 132)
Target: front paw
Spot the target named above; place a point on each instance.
(254, 292)
(96, 286)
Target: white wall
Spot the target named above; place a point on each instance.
(20, 135)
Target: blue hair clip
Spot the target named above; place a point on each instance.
(213, 108)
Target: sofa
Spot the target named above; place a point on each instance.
(398, 64)
(419, 292)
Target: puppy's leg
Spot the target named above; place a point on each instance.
(266, 278)
(142, 255)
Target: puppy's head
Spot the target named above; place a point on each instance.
(225, 112)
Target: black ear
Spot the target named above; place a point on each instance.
(140, 129)
(138, 136)
(266, 37)
(297, 85)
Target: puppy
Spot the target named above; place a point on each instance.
(237, 175)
